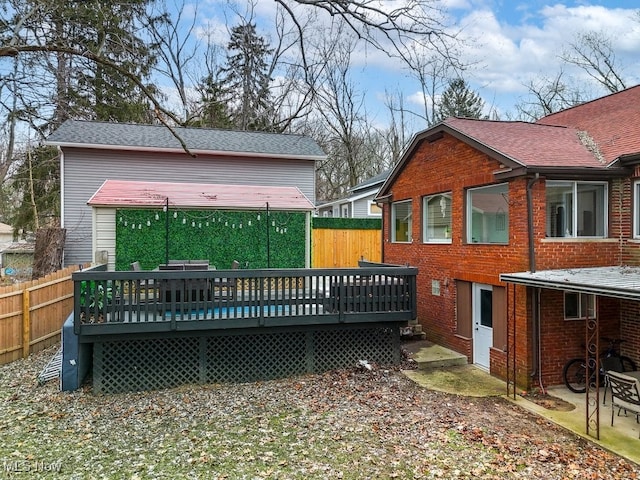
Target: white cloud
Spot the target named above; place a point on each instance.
(511, 55)
(508, 44)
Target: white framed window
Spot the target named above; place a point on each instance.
(576, 209)
(488, 214)
(374, 209)
(401, 220)
(436, 221)
(579, 306)
(636, 209)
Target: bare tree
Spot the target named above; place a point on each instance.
(397, 135)
(341, 106)
(548, 95)
(387, 26)
(591, 52)
(177, 52)
(594, 54)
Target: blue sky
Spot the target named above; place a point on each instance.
(509, 43)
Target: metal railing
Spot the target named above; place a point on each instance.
(155, 301)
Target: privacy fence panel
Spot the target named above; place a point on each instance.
(336, 247)
(32, 314)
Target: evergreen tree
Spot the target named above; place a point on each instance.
(65, 81)
(458, 100)
(79, 86)
(245, 79)
(109, 29)
(212, 109)
(37, 182)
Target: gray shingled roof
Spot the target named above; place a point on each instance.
(377, 179)
(78, 133)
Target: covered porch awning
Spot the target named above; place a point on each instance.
(622, 282)
(616, 282)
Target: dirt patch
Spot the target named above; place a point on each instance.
(549, 401)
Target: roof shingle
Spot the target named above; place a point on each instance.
(612, 121)
(106, 135)
(529, 144)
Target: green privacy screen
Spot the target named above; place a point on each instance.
(256, 239)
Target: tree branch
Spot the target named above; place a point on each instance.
(14, 50)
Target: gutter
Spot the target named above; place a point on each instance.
(195, 151)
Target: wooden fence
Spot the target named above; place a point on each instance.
(32, 314)
(343, 248)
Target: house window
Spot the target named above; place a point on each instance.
(374, 209)
(401, 221)
(576, 209)
(636, 209)
(345, 211)
(488, 214)
(437, 218)
(579, 306)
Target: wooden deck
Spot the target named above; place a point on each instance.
(114, 303)
(157, 329)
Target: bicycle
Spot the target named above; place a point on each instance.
(575, 372)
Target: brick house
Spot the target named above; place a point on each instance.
(472, 201)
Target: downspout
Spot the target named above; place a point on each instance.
(535, 304)
(380, 202)
(532, 249)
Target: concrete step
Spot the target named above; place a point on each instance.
(428, 355)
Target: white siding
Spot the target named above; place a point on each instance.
(104, 233)
(85, 170)
(361, 207)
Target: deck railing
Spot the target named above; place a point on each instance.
(115, 303)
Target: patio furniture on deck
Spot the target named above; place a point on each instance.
(190, 293)
(226, 287)
(146, 287)
(624, 394)
(607, 364)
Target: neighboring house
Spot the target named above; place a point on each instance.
(93, 152)
(506, 222)
(6, 235)
(359, 203)
(17, 260)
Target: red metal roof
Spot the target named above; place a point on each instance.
(124, 193)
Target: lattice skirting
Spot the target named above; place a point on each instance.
(161, 362)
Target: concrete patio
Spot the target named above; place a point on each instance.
(447, 371)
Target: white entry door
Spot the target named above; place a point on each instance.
(482, 299)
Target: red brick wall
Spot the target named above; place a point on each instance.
(448, 165)
(563, 339)
(630, 330)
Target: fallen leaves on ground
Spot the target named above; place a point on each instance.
(344, 424)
